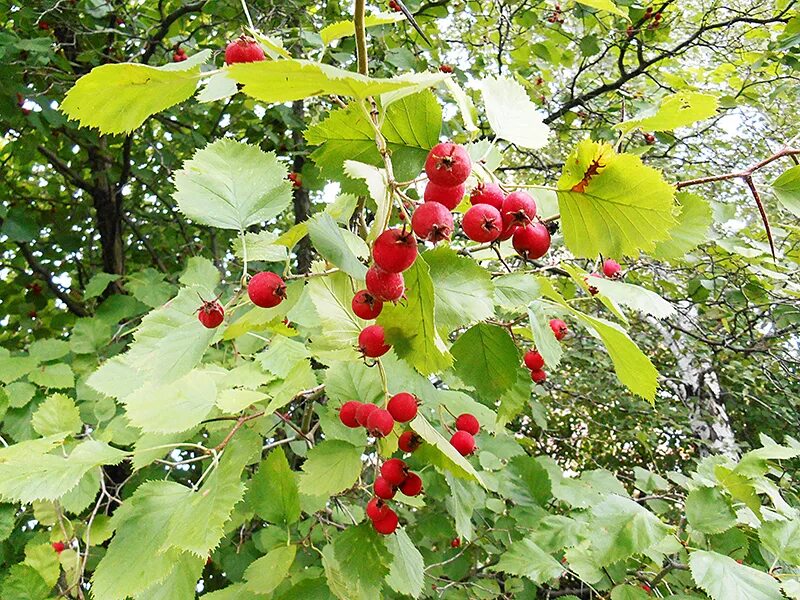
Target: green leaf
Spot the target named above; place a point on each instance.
(410, 327)
(722, 578)
(787, 190)
(98, 284)
(353, 380)
(526, 559)
(539, 314)
(342, 29)
(341, 583)
(58, 376)
(57, 414)
(8, 514)
(48, 349)
(511, 113)
(739, 487)
(41, 557)
(232, 185)
(406, 572)
(446, 457)
(677, 110)
(267, 573)
(621, 528)
(461, 503)
(201, 272)
(525, 482)
(694, 220)
(181, 582)
(264, 246)
(338, 246)
(633, 296)
(606, 5)
(707, 510)
(14, 367)
(331, 467)
(629, 592)
(363, 555)
(22, 582)
(273, 490)
(118, 98)
(148, 286)
(486, 349)
(782, 538)
(515, 291)
(379, 191)
(602, 191)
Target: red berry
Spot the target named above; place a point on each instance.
(532, 241)
(347, 414)
(592, 290)
(509, 229)
(403, 407)
(448, 164)
(409, 441)
(445, 68)
(266, 289)
(384, 489)
(386, 525)
(243, 50)
(412, 486)
(385, 286)
(394, 6)
(463, 442)
(372, 342)
(533, 360)
(488, 193)
(395, 250)
(520, 207)
(179, 57)
(468, 423)
(59, 547)
(646, 588)
(432, 222)
(611, 268)
(43, 25)
(456, 543)
(366, 306)
(377, 509)
(538, 376)
(394, 471)
(296, 179)
(560, 329)
(482, 223)
(649, 138)
(211, 314)
(363, 412)
(449, 195)
(380, 423)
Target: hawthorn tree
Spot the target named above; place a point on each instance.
(444, 300)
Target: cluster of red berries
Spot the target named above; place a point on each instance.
(611, 270)
(265, 289)
(463, 440)
(379, 422)
(395, 475)
(445, 68)
(395, 6)
(556, 16)
(296, 179)
(535, 362)
(243, 50)
(648, 14)
(179, 55)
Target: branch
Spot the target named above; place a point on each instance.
(162, 31)
(74, 307)
(65, 169)
(361, 38)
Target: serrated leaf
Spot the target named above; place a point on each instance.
(338, 246)
(148, 287)
(674, 111)
(485, 349)
(511, 113)
(57, 414)
(353, 380)
(515, 291)
(782, 538)
(201, 272)
(8, 513)
(694, 220)
(14, 367)
(446, 457)
(273, 490)
(621, 528)
(98, 284)
(406, 572)
(629, 592)
(217, 87)
(48, 349)
(41, 557)
(525, 482)
(526, 559)
(633, 296)
(181, 582)
(461, 503)
(464, 103)
(342, 29)
(363, 555)
(264, 245)
(544, 340)
(267, 573)
(787, 190)
(739, 487)
(331, 467)
(22, 582)
(58, 376)
(606, 5)
(340, 583)
(723, 578)
(707, 510)
(378, 187)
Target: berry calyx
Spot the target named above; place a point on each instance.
(386, 525)
(395, 250)
(448, 164)
(366, 306)
(532, 241)
(456, 543)
(611, 268)
(266, 289)
(463, 442)
(560, 329)
(449, 195)
(243, 50)
(445, 68)
(409, 441)
(468, 423)
(372, 342)
(383, 285)
(380, 423)
(210, 314)
(538, 376)
(384, 489)
(520, 207)
(59, 547)
(533, 360)
(395, 471)
(482, 223)
(412, 486)
(488, 193)
(347, 414)
(364, 411)
(377, 509)
(432, 222)
(403, 407)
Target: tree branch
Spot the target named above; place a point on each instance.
(74, 307)
(152, 43)
(65, 169)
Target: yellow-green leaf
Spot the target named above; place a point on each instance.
(341, 29)
(677, 110)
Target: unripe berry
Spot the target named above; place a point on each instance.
(394, 471)
(384, 489)
(403, 407)
(488, 193)
(59, 547)
(364, 411)
(386, 525)
(372, 342)
(456, 543)
(377, 509)
(243, 50)
(380, 423)
(520, 207)
(463, 442)
(468, 423)
(533, 360)
(611, 268)
(409, 441)
(538, 376)
(412, 485)
(347, 414)
(266, 289)
(448, 195)
(560, 329)
(448, 164)
(432, 222)
(211, 314)
(385, 286)
(482, 223)
(532, 241)
(395, 250)
(366, 306)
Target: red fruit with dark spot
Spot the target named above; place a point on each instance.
(296, 179)
(560, 329)
(533, 360)
(177, 57)
(520, 207)
(243, 50)
(409, 441)
(364, 411)
(366, 306)
(386, 525)
(380, 423)
(463, 442)
(445, 68)
(538, 376)
(347, 414)
(266, 289)
(456, 543)
(394, 471)
(611, 268)
(592, 290)
(468, 423)
(649, 138)
(211, 314)
(432, 222)
(384, 489)
(412, 485)
(482, 223)
(395, 250)
(403, 407)
(488, 193)
(532, 241)
(372, 342)
(59, 547)
(448, 164)
(383, 285)
(394, 6)
(377, 509)
(449, 195)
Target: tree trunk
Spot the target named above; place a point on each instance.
(108, 210)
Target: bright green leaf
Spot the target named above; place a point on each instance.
(722, 578)
(331, 467)
(707, 510)
(525, 558)
(486, 349)
(273, 490)
(787, 190)
(57, 414)
(266, 573)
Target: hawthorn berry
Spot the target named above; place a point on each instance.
(266, 289)
(383, 285)
(649, 138)
(363, 412)
(487, 193)
(347, 414)
(377, 509)
(533, 360)
(611, 268)
(394, 471)
(403, 407)
(532, 241)
(395, 250)
(409, 441)
(366, 306)
(592, 290)
(43, 25)
(519, 207)
(482, 223)
(456, 543)
(445, 68)
(448, 164)
(538, 376)
(387, 524)
(384, 489)
(243, 50)
(394, 6)
(463, 442)
(210, 314)
(59, 547)
(412, 485)
(646, 588)
(372, 341)
(468, 423)
(449, 195)
(380, 423)
(296, 179)
(560, 329)
(180, 55)
(432, 222)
